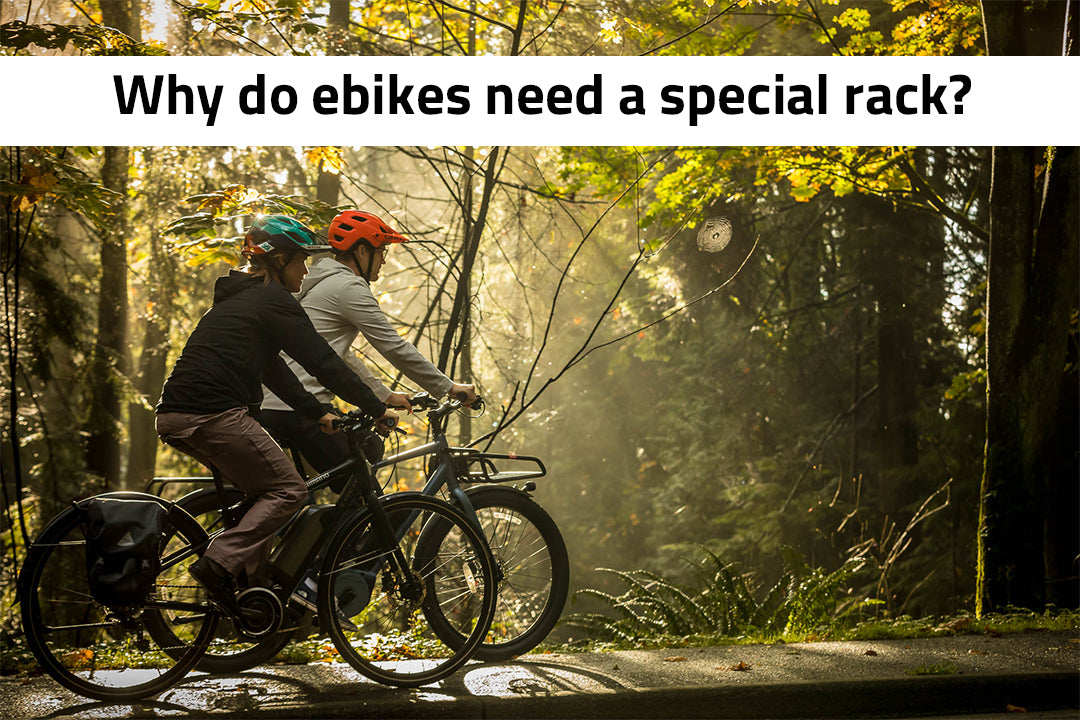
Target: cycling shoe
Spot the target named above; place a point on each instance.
(217, 582)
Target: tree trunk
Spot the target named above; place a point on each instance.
(888, 269)
(1060, 222)
(337, 26)
(1025, 544)
(473, 229)
(1031, 295)
(123, 15)
(153, 363)
(328, 185)
(110, 353)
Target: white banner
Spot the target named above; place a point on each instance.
(540, 101)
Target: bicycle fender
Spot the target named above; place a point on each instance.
(488, 491)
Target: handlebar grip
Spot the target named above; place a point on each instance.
(462, 397)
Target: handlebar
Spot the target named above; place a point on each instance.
(359, 420)
(424, 401)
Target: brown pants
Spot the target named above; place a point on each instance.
(237, 446)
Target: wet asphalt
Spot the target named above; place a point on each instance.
(1030, 672)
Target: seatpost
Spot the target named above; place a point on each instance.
(232, 516)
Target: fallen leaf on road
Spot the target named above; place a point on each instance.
(675, 658)
(870, 652)
(740, 667)
(1014, 708)
(973, 651)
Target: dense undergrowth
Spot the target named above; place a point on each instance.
(722, 606)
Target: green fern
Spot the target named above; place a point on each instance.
(722, 602)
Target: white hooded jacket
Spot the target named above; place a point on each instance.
(340, 305)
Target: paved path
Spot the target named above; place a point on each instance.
(1034, 671)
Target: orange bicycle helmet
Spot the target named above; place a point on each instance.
(353, 226)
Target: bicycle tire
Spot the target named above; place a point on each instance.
(530, 553)
(82, 644)
(393, 642)
(227, 652)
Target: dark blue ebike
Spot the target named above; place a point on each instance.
(384, 563)
(532, 566)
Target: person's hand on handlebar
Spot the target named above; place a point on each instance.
(465, 393)
(326, 423)
(399, 401)
(386, 423)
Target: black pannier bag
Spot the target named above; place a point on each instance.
(123, 548)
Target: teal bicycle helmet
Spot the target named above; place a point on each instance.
(280, 232)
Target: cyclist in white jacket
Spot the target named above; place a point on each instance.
(336, 294)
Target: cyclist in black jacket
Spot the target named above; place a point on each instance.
(207, 403)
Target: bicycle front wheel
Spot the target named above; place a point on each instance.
(534, 567)
(374, 591)
(96, 651)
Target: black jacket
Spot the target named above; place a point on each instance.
(235, 349)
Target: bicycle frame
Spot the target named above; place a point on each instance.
(450, 469)
(360, 491)
(443, 475)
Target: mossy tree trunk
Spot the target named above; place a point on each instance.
(1031, 296)
(1026, 542)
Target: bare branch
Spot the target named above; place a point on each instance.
(671, 313)
(833, 426)
(922, 189)
(446, 27)
(690, 32)
(478, 16)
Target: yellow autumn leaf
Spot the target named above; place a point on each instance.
(44, 182)
(328, 158)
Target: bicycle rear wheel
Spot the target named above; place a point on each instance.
(374, 596)
(531, 556)
(96, 651)
(228, 652)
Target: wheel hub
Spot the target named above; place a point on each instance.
(408, 593)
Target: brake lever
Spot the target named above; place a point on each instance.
(477, 406)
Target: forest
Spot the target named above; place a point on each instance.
(858, 364)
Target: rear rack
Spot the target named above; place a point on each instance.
(154, 486)
(473, 466)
